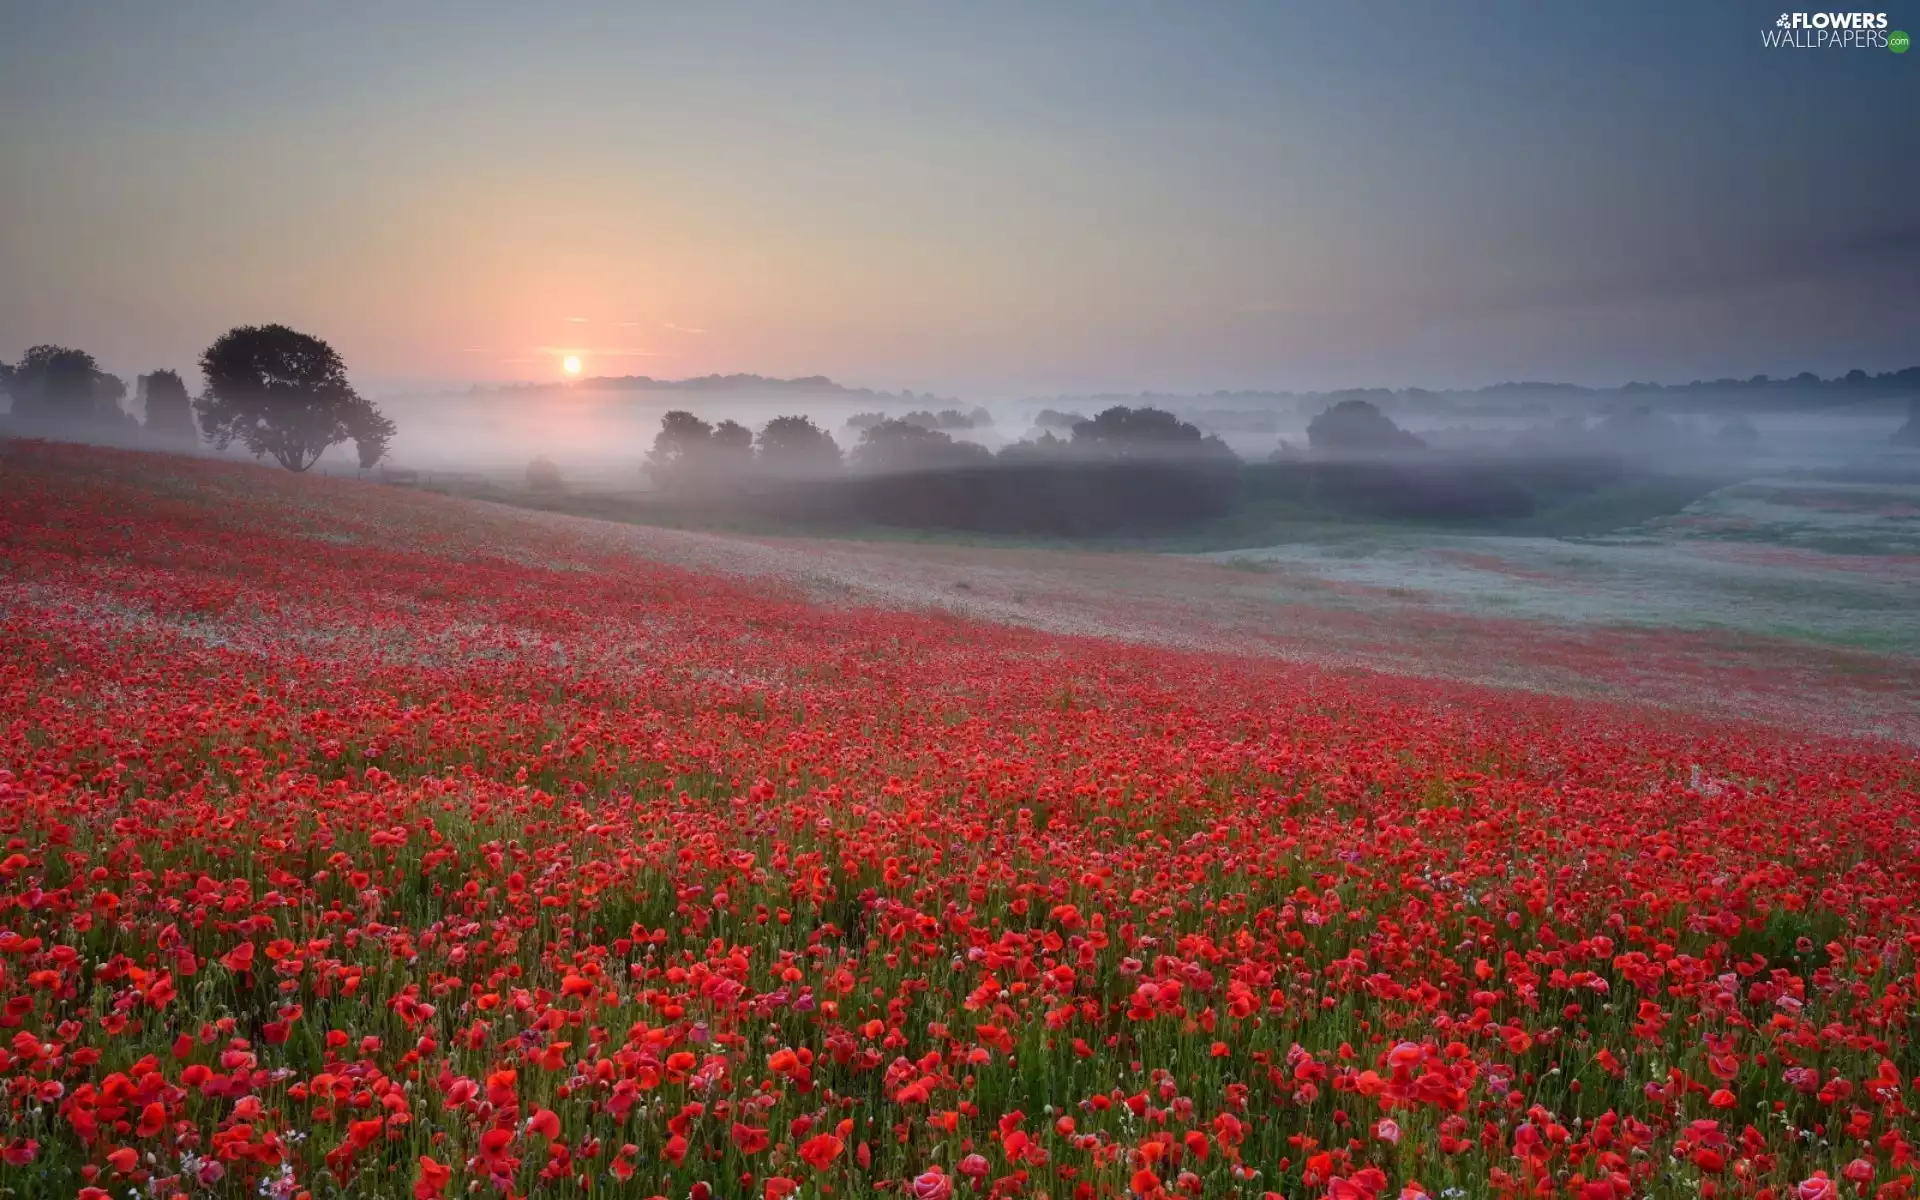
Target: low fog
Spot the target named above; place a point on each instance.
(594, 427)
(817, 451)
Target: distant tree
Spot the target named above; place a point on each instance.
(282, 393)
(1122, 426)
(1121, 432)
(1639, 430)
(796, 446)
(1359, 428)
(543, 476)
(679, 449)
(866, 420)
(1049, 418)
(731, 447)
(1046, 446)
(1909, 434)
(108, 392)
(1739, 434)
(905, 446)
(60, 390)
(169, 409)
(68, 388)
(373, 432)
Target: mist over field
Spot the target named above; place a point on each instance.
(602, 426)
(1209, 471)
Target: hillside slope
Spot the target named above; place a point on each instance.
(365, 843)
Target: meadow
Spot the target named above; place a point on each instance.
(360, 841)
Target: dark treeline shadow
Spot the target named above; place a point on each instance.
(1052, 499)
(1150, 498)
(1126, 472)
(1441, 487)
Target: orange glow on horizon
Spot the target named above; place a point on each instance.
(571, 364)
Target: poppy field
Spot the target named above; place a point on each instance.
(355, 842)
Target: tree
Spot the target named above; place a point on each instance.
(795, 446)
(1740, 434)
(370, 440)
(169, 409)
(543, 476)
(731, 448)
(66, 390)
(1121, 432)
(679, 448)
(283, 393)
(1639, 430)
(1038, 449)
(107, 392)
(1359, 428)
(906, 446)
(1909, 434)
(58, 389)
(1049, 418)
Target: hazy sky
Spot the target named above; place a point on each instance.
(978, 198)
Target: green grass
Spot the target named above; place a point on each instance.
(1611, 509)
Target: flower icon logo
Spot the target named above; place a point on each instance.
(1784, 21)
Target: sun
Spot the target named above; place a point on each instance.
(571, 364)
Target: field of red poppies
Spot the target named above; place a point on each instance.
(364, 843)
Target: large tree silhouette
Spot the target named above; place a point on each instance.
(283, 393)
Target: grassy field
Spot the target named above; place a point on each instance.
(363, 842)
(1803, 560)
(1632, 593)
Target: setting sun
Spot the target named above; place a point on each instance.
(571, 364)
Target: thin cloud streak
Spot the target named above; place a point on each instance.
(594, 352)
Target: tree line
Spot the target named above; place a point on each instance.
(1124, 469)
(692, 454)
(279, 393)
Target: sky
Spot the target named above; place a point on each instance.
(975, 198)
